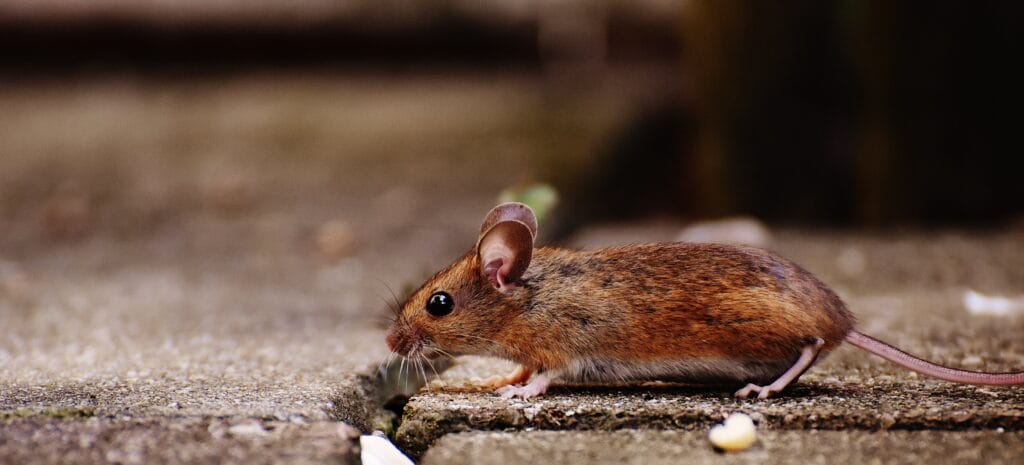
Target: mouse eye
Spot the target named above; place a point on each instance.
(440, 304)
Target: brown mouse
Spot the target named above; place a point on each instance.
(667, 311)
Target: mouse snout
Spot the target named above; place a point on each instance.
(401, 339)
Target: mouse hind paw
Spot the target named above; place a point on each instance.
(807, 357)
(763, 392)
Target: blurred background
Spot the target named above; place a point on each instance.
(121, 116)
(269, 137)
(206, 206)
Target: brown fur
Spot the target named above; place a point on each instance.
(642, 303)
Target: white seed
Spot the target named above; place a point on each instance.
(737, 433)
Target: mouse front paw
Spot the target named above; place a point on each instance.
(494, 383)
(537, 387)
(525, 392)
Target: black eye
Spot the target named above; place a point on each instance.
(440, 304)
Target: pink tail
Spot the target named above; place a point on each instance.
(925, 367)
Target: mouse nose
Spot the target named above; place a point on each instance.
(398, 341)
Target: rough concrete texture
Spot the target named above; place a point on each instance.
(159, 338)
(177, 440)
(174, 252)
(773, 447)
(848, 390)
(845, 403)
(165, 266)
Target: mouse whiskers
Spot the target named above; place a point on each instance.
(421, 369)
(404, 373)
(395, 304)
(383, 368)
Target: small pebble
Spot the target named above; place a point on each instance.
(851, 261)
(247, 429)
(982, 304)
(736, 230)
(336, 239)
(971, 360)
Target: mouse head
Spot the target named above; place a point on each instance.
(461, 309)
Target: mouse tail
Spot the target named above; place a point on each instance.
(927, 368)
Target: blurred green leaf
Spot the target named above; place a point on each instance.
(541, 197)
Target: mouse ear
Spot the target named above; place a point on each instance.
(505, 245)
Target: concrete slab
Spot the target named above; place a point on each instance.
(834, 404)
(176, 440)
(164, 261)
(152, 340)
(159, 266)
(773, 447)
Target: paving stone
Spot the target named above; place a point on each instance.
(142, 342)
(176, 440)
(836, 405)
(194, 300)
(773, 447)
(159, 263)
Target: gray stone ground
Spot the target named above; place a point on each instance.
(776, 447)
(198, 272)
(163, 440)
(181, 257)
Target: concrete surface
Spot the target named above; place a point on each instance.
(166, 275)
(773, 447)
(166, 262)
(153, 340)
(176, 440)
(841, 404)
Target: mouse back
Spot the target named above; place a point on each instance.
(700, 311)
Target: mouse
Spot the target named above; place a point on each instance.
(689, 312)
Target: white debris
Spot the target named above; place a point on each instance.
(981, 304)
(250, 429)
(737, 230)
(737, 433)
(971, 360)
(377, 450)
